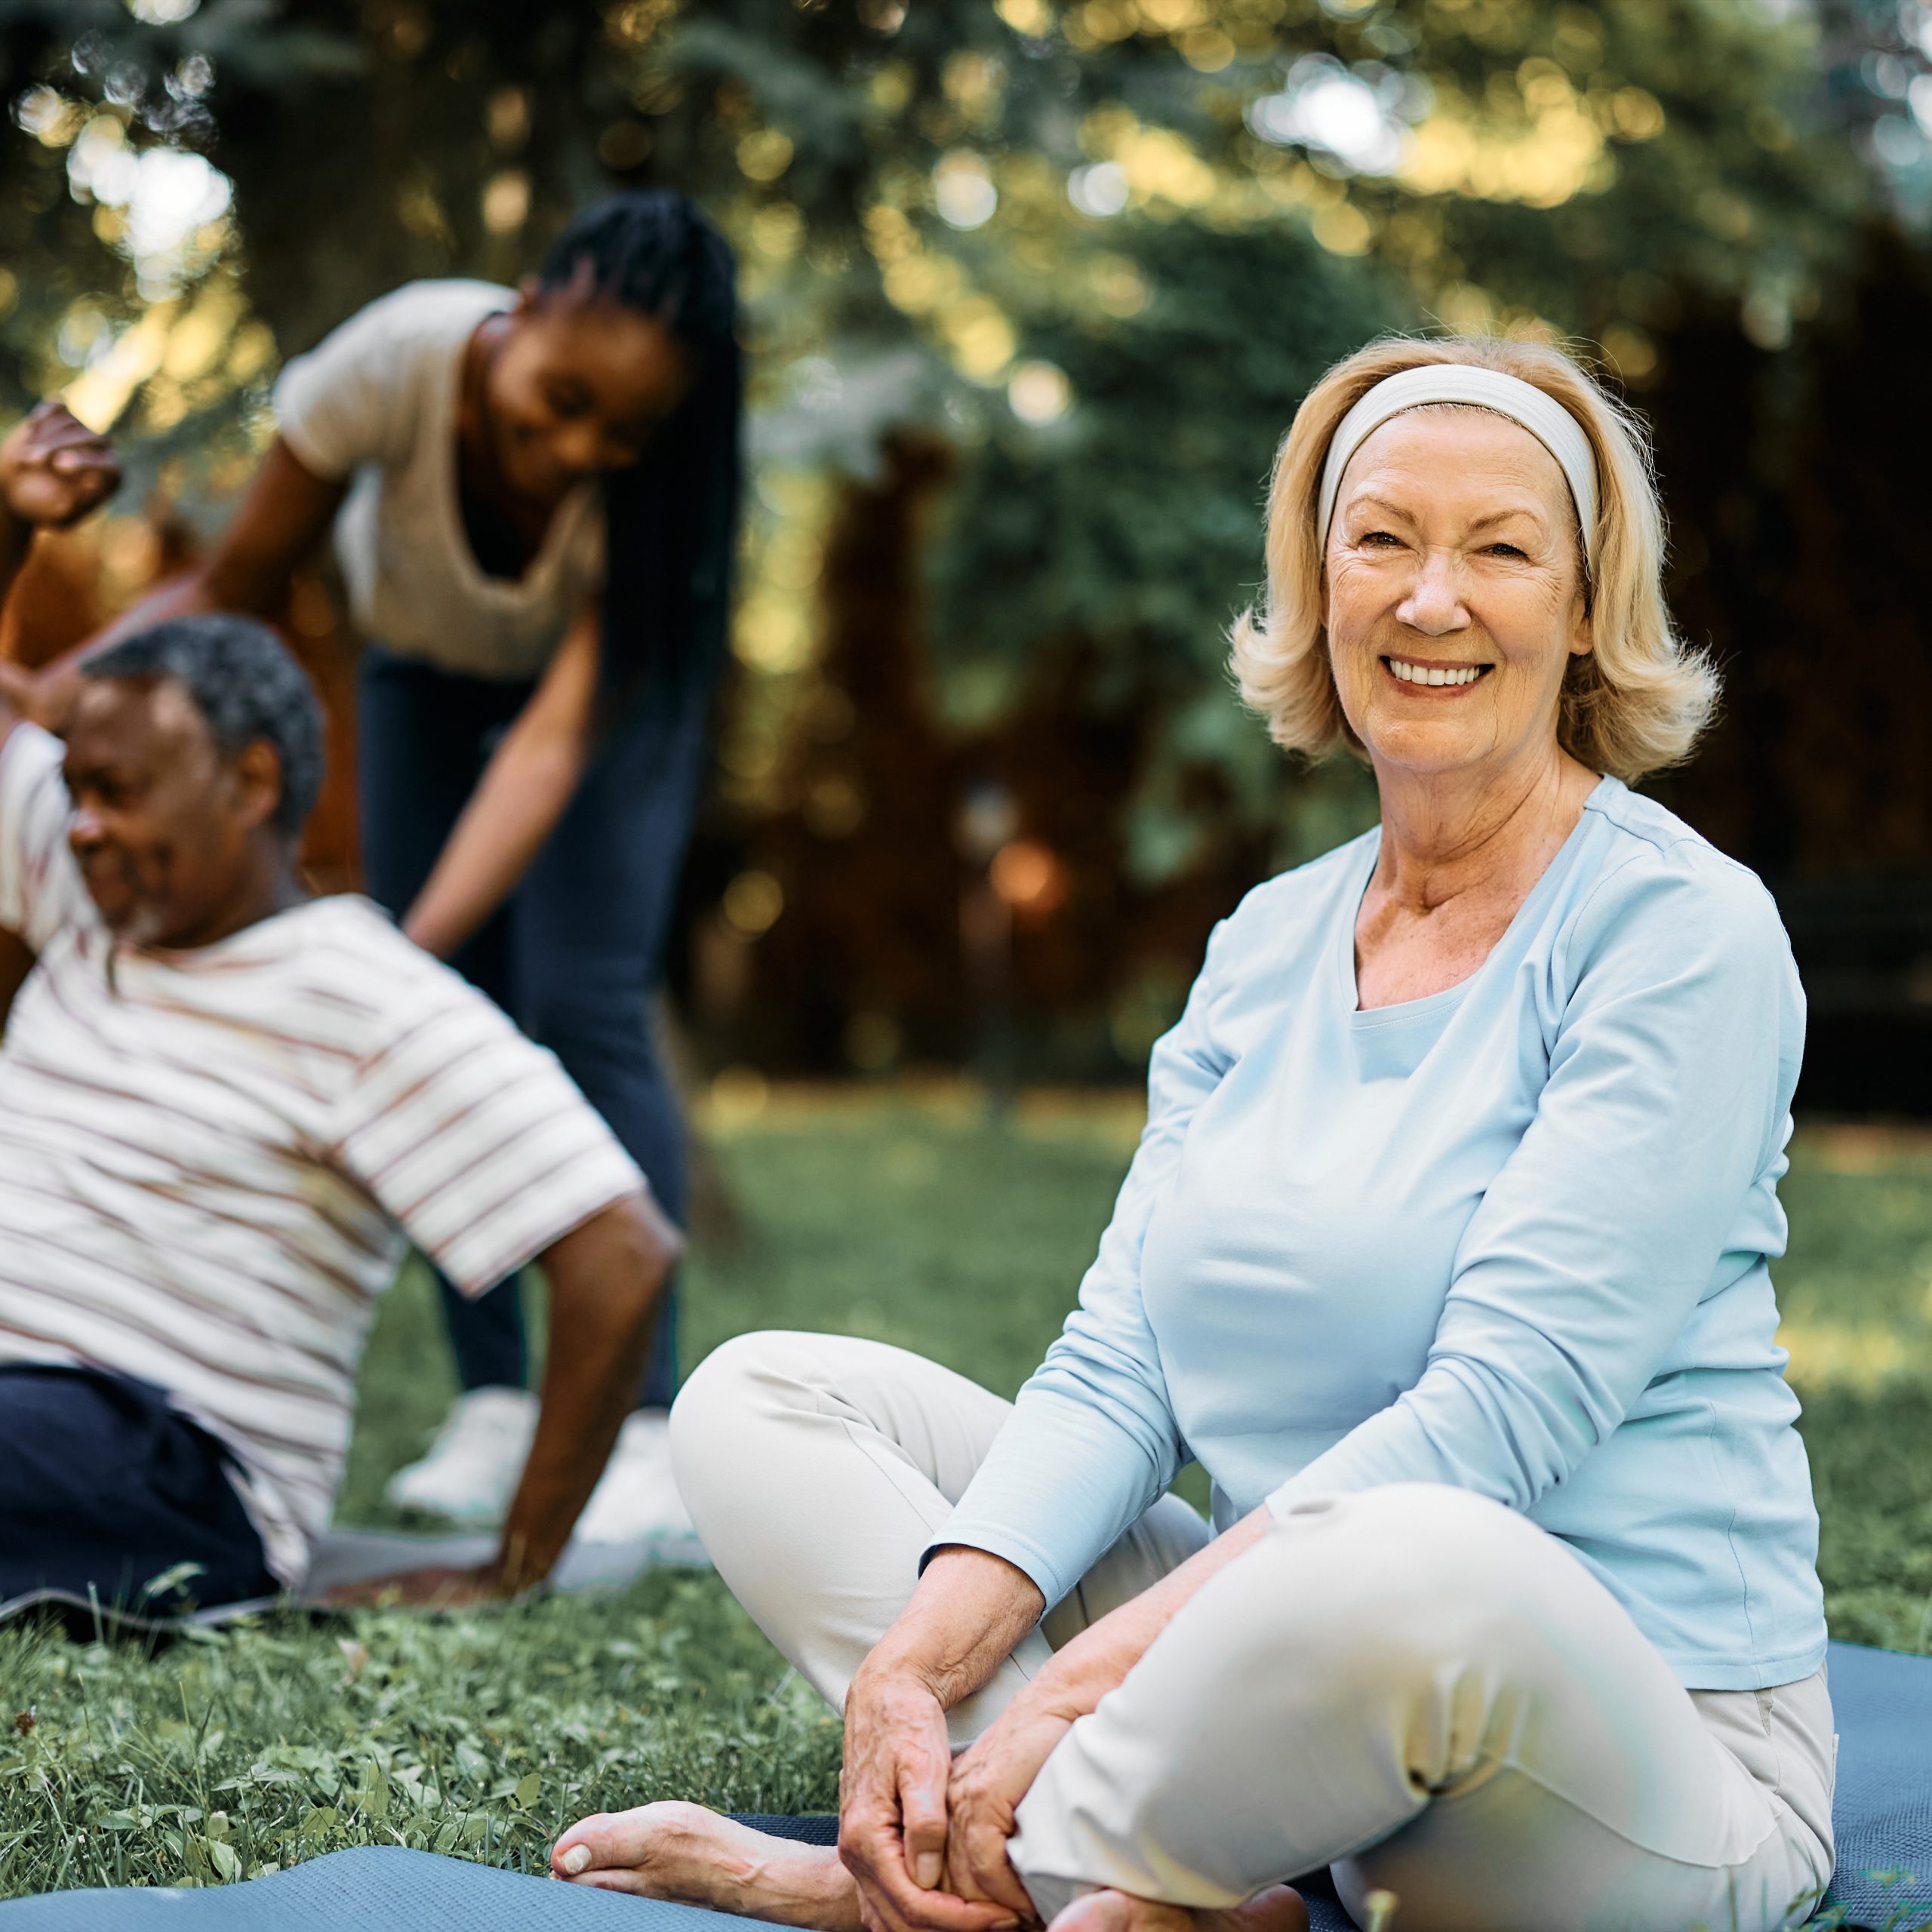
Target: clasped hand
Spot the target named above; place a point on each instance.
(924, 1835)
(54, 469)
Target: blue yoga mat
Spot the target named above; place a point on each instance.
(1884, 1703)
(1883, 1814)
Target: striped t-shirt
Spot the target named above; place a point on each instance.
(210, 1158)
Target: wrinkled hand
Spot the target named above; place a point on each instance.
(892, 1810)
(987, 1784)
(422, 1589)
(54, 469)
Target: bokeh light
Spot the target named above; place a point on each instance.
(1039, 392)
(962, 192)
(752, 903)
(1100, 190)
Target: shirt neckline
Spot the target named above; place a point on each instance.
(1430, 1005)
(537, 581)
(259, 934)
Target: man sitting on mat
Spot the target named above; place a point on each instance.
(223, 1105)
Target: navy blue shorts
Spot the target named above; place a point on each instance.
(102, 1485)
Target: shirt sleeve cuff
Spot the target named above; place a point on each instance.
(965, 1533)
(476, 1267)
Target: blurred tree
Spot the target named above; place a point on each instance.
(1800, 506)
(1097, 249)
(1007, 179)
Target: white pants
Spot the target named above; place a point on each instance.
(1413, 1684)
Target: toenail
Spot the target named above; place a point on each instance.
(576, 1859)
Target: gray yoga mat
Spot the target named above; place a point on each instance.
(384, 1888)
(366, 1556)
(374, 1888)
(1884, 1703)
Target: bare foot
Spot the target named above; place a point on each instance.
(1278, 1909)
(693, 1857)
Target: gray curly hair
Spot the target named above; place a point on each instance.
(244, 683)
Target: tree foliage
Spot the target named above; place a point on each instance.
(1096, 248)
(900, 169)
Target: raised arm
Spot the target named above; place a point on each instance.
(280, 522)
(516, 805)
(53, 471)
(16, 956)
(286, 515)
(339, 406)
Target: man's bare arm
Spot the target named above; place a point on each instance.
(286, 515)
(17, 957)
(53, 470)
(606, 1278)
(16, 960)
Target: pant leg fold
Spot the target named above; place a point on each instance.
(1412, 1684)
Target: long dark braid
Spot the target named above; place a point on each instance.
(672, 517)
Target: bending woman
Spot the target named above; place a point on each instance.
(1445, 1251)
(534, 496)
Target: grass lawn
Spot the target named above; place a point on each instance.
(484, 1732)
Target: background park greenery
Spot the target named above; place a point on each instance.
(1032, 290)
(1032, 287)
(925, 1224)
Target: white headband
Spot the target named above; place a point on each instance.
(1545, 418)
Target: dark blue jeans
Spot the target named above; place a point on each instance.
(576, 953)
(103, 1486)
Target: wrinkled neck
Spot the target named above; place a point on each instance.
(1445, 834)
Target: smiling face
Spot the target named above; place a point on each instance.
(164, 824)
(576, 385)
(1454, 594)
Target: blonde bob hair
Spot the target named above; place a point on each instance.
(1634, 704)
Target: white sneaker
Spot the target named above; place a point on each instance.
(636, 1498)
(472, 1467)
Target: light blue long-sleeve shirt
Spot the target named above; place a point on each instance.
(1512, 1237)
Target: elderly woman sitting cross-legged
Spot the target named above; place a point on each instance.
(1444, 1251)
